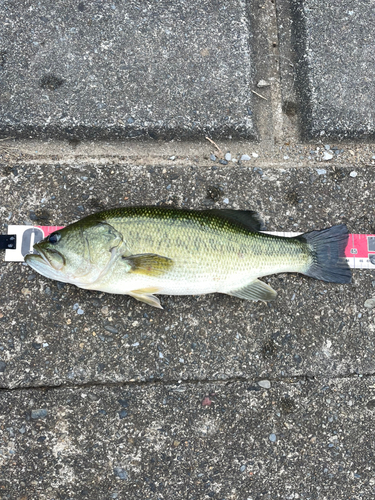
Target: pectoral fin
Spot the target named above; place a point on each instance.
(149, 264)
(147, 297)
(256, 290)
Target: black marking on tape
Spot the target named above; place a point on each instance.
(371, 243)
(8, 241)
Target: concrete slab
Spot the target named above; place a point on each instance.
(312, 329)
(302, 440)
(335, 67)
(125, 69)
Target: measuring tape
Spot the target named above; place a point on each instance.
(20, 240)
(359, 252)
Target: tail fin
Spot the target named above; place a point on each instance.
(328, 251)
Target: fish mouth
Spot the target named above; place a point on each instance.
(48, 263)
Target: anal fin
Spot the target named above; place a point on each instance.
(256, 290)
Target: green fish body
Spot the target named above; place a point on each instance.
(142, 251)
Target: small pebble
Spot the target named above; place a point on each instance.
(35, 414)
(327, 147)
(80, 311)
(254, 155)
(243, 468)
(172, 157)
(245, 158)
(272, 437)
(75, 307)
(223, 162)
(226, 201)
(263, 83)
(321, 171)
(373, 158)
(31, 277)
(286, 157)
(212, 157)
(370, 303)
(120, 473)
(266, 384)
(111, 329)
(228, 156)
(353, 174)
(327, 156)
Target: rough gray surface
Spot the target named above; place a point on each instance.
(313, 328)
(336, 66)
(125, 69)
(302, 440)
(102, 397)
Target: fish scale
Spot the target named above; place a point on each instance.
(228, 255)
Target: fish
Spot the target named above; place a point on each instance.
(144, 251)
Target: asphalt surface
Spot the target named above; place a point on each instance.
(301, 440)
(104, 397)
(105, 367)
(57, 334)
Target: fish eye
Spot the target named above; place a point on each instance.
(54, 238)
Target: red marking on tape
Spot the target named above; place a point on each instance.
(360, 245)
(49, 229)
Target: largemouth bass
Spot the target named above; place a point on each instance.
(143, 251)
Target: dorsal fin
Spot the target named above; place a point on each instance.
(246, 218)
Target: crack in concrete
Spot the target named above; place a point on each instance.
(293, 379)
